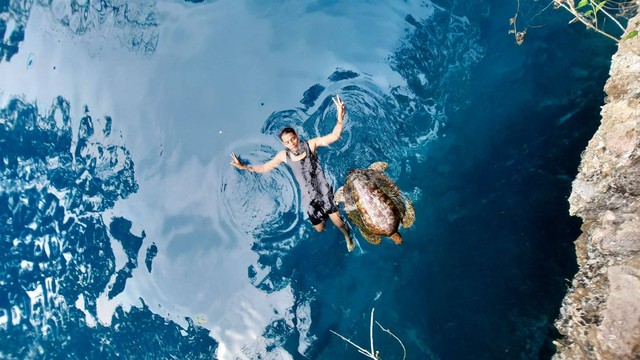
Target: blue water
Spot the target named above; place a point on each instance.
(126, 233)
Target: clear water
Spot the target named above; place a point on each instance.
(126, 233)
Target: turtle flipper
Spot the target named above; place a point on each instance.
(356, 219)
(339, 195)
(371, 238)
(379, 166)
(409, 214)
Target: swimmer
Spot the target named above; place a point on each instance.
(302, 158)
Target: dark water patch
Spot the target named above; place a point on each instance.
(120, 230)
(152, 251)
(13, 17)
(311, 95)
(342, 74)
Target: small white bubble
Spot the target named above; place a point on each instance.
(220, 132)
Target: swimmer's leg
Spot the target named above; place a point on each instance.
(337, 220)
(319, 227)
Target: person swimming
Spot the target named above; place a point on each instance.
(302, 158)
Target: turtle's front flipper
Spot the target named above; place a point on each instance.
(409, 215)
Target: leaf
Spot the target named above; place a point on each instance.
(588, 13)
(582, 3)
(631, 35)
(600, 6)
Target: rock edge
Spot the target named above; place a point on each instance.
(600, 315)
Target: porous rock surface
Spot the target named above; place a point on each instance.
(600, 315)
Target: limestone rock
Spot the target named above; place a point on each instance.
(600, 315)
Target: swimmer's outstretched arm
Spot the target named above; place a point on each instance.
(260, 168)
(337, 130)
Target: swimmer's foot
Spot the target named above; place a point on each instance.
(350, 244)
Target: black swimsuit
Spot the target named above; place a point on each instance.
(317, 194)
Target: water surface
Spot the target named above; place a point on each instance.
(125, 231)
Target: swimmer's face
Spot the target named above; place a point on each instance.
(290, 141)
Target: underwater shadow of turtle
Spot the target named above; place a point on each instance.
(375, 204)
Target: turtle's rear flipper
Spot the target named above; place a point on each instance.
(371, 238)
(409, 214)
(397, 238)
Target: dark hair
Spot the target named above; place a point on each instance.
(287, 130)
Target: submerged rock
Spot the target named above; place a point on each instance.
(600, 315)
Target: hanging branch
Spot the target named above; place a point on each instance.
(373, 354)
(570, 7)
(597, 9)
(519, 35)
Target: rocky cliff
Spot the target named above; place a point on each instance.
(600, 316)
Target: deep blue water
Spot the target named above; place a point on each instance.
(126, 234)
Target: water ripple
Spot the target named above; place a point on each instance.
(257, 204)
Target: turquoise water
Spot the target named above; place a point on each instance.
(126, 233)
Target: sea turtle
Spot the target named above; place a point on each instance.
(374, 203)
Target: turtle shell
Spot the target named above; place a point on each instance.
(377, 211)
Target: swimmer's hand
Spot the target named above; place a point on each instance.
(237, 163)
(340, 107)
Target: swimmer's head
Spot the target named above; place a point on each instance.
(287, 130)
(290, 139)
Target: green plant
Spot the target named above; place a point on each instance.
(592, 13)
